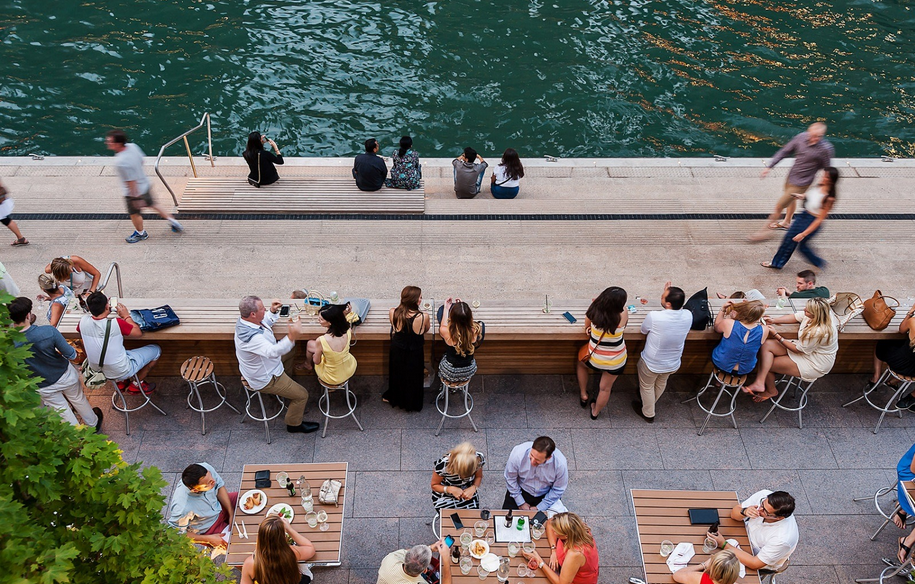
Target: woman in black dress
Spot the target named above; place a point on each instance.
(255, 152)
(898, 355)
(406, 360)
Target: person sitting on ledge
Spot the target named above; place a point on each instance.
(202, 506)
(469, 168)
(369, 169)
(899, 356)
(255, 154)
(806, 287)
(406, 171)
(507, 175)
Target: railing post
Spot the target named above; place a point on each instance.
(210, 141)
(190, 156)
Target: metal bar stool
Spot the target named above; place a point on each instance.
(888, 517)
(728, 383)
(249, 394)
(118, 396)
(890, 406)
(797, 383)
(198, 371)
(768, 576)
(454, 386)
(324, 403)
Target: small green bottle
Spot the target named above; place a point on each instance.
(520, 523)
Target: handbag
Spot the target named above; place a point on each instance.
(846, 306)
(256, 183)
(584, 354)
(95, 378)
(877, 313)
(330, 492)
(699, 307)
(154, 319)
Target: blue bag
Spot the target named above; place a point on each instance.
(154, 319)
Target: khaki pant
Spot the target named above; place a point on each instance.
(787, 200)
(651, 387)
(297, 395)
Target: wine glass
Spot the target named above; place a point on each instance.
(482, 572)
(322, 519)
(475, 303)
(490, 538)
(427, 305)
(466, 564)
(480, 527)
(466, 538)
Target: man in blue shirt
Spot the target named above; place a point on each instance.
(369, 169)
(201, 505)
(58, 380)
(537, 475)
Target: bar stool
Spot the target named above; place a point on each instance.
(890, 406)
(798, 385)
(324, 403)
(450, 386)
(118, 395)
(888, 517)
(728, 382)
(249, 395)
(768, 576)
(198, 371)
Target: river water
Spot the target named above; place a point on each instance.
(558, 77)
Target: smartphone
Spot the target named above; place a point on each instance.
(456, 520)
(113, 303)
(284, 310)
(449, 541)
(568, 316)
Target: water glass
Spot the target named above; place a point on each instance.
(709, 545)
(504, 570)
(466, 538)
(490, 538)
(523, 571)
(480, 527)
(312, 518)
(466, 564)
(528, 547)
(282, 478)
(667, 547)
(482, 573)
(536, 531)
(513, 548)
(322, 519)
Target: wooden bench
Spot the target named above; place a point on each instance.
(296, 195)
(520, 337)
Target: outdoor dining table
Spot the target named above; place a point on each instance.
(328, 544)
(469, 517)
(664, 515)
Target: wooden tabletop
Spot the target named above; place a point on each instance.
(468, 518)
(328, 544)
(664, 515)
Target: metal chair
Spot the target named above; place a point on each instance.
(251, 393)
(890, 406)
(888, 517)
(453, 387)
(768, 576)
(324, 403)
(730, 386)
(118, 396)
(797, 383)
(198, 371)
(902, 570)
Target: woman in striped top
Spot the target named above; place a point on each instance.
(606, 350)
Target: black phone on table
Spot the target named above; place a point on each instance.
(284, 310)
(456, 520)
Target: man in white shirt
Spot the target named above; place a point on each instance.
(128, 161)
(771, 528)
(666, 332)
(260, 358)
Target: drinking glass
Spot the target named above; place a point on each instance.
(536, 531)
(504, 570)
(513, 548)
(466, 538)
(282, 478)
(475, 303)
(312, 518)
(466, 564)
(667, 547)
(709, 545)
(523, 572)
(482, 573)
(480, 527)
(528, 547)
(485, 514)
(427, 305)
(322, 519)
(490, 538)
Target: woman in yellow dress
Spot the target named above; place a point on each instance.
(330, 352)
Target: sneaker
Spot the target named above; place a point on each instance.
(98, 425)
(137, 236)
(123, 385)
(148, 388)
(176, 227)
(906, 402)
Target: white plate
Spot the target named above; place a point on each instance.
(476, 543)
(279, 507)
(490, 562)
(256, 508)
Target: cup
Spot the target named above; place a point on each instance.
(485, 514)
(466, 538)
(475, 303)
(528, 547)
(536, 531)
(322, 519)
(466, 564)
(513, 548)
(709, 545)
(667, 547)
(490, 538)
(482, 573)
(282, 478)
(480, 527)
(523, 572)
(312, 518)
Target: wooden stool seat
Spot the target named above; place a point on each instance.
(729, 378)
(196, 368)
(455, 383)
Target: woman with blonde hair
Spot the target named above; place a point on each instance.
(74, 272)
(810, 357)
(574, 552)
(456, 478)
(462, 336)
(274, 560)
(722, 568)
(58, 296)
(742, 335)
(406, 361)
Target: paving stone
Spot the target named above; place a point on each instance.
(166, 491)
(861, 448)
(805, 574)
(558, 410)
(788, 447)
(833, 491)
(616, 538)
(634, 448)
(832, 540)
(683, 449)
(369, 450)
(415, 531)
(747, 482)
(328, 575)
(173, 451)
(421, 448)
(129, 445)
(590, 491)
(367, 541)
(400, 494)
(697, 480)
(850, 572)
(250, 447)
(364, 575)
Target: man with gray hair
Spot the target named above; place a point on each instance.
(260, 358)
(812, 153)
(407, 566)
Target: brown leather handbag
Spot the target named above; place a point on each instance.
(877, 313)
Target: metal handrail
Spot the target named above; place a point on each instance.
(114, 267)
(203, 120)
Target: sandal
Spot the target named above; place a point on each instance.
(778, 225)
(769, 265)
(20, 241)
(903, 516)
(904, 551)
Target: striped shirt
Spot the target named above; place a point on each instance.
(608, 350)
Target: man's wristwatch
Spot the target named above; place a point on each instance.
(743, 511)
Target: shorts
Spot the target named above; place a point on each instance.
(787, 195)
(6, 209)
(140, 358)
(136, 204)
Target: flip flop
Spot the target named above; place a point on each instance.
(20, 241)
(769, 265)
(778, 225)
(904, 550)
(902, 517)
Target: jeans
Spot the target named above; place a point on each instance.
(140, 358)
(801, 222)
(504, 192)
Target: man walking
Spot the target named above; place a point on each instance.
(58, 380)
(812, 153)
(260, 358)
(666, 332)
(128, 160)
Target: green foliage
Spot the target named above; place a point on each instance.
(71, 510)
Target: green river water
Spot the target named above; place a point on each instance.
(559, 77)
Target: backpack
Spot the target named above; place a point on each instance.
(699, 307)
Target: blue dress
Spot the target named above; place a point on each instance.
(733, 354)
(904, 473)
